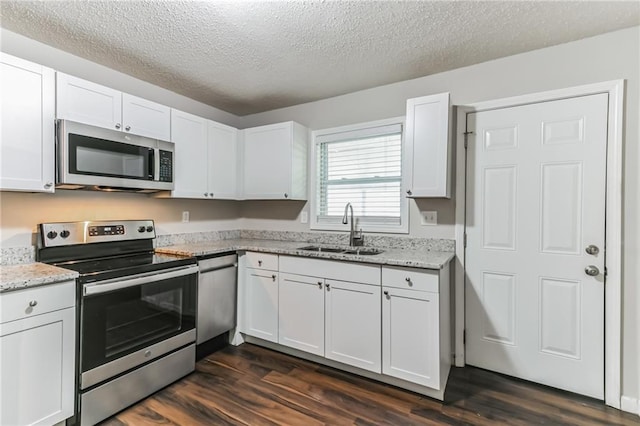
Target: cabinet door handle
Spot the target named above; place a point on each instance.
(328, 286)
(319, 284)
(206, 195)
(118, 125)
(408, 280)
(259, 262)
(127, 128)
(286, 195)
(48, 185)
(33, 303)
(211, 194)
(273, 277)
(386, 293)
(409, 192)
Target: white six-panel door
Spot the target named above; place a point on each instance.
(535, 203)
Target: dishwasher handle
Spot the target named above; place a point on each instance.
(217, 268)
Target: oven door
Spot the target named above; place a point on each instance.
(126, 322)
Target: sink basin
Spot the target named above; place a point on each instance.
(356, 251)
(322, 249)
(363, 252)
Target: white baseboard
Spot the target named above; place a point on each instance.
(630, 405)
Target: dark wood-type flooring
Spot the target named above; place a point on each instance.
(250, 385)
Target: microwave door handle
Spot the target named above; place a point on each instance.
(152, 165)
(121, 283)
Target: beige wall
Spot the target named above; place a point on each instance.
(607, 57)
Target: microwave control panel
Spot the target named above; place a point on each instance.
(166, 166)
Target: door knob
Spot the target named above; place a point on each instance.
(592, 250)
(592, 270)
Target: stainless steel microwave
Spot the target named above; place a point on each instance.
(89, 157)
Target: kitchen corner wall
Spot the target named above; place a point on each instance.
(606, 57)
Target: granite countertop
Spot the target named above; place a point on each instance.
(17, 277)
(415, 258)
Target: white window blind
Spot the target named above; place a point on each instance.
(362, 167)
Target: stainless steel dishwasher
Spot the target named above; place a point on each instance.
(217, 290)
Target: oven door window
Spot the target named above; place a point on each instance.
(99, 157)
(118, 323)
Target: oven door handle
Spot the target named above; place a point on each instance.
(119, 283)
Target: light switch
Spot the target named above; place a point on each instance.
(304, 217)
(428, 218)
(185, 216)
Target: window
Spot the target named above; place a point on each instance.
(361, 165)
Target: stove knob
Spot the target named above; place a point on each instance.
(64, 233)
(52, 234)
(149, 228)
(140, 228)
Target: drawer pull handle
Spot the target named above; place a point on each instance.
(33, 303)
(259, 262)
(408, 280)
(147, 354)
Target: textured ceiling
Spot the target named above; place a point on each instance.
(251, 56)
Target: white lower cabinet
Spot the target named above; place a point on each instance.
(391, 321)
(261, 310)
(352, 324)
(301, 312)
(37, 355)
(410, 349)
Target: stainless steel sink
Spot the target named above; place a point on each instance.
(322, 249)
(354, 251)
(363, 252)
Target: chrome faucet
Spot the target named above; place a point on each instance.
(355, 237)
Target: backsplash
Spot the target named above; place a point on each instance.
(18, 255)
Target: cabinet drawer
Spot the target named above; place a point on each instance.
(16, 304)
(413, 279)
(262, 261)
(331, 269)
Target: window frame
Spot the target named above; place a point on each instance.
(403, 227)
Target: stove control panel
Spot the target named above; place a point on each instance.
(95, 231)
(71, 233)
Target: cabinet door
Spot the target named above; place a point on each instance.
(267, 161)
(28, 114)
(301, 313)
(36, 365)
(145, 118)
(352, 324)
(87, 102)
(223, 160)
(410, 336)
(427, 148)
(189, 133)
(261, 306)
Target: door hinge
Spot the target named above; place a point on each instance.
(466, 139)
(464, 240)
(606, 272)
(464, 337)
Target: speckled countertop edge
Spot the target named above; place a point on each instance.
(414, 258)
(17, 277)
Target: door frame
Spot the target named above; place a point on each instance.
(613, 224)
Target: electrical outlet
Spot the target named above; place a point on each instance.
(428, 218)
(304, 217)
(185, 217)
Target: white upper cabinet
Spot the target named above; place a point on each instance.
(90, 103)
(223, 161)
(275, 162)
(206, 157)
(189, 133)
(427, 152)
(27, 136)
(145, 118)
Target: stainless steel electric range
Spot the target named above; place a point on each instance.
(136, 311)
